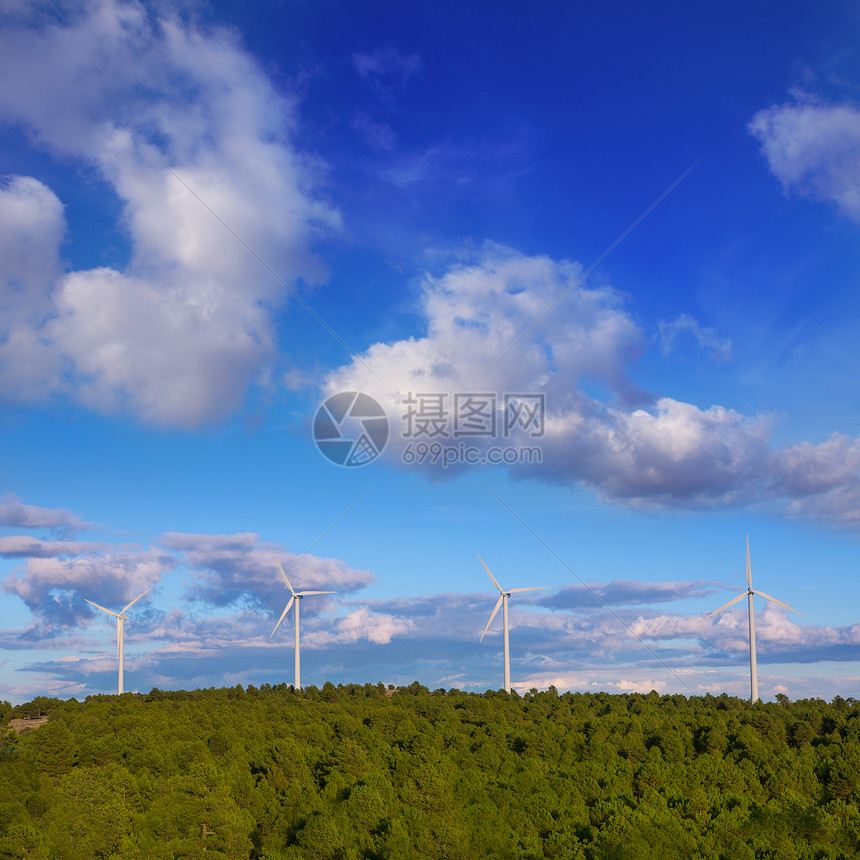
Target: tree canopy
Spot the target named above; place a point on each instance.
(366, 772)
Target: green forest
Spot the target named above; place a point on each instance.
(371, 772)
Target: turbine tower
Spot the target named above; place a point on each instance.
(504, 595)
(749, 595)
(120, 632)
(296, 598)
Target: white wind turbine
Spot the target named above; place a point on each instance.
(749, 595)
(296, 597)
(120, 631)
(504, 594)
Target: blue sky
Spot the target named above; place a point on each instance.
(214, 217)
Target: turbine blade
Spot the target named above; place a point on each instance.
(137, 598)
(774, 600)
(304, 593)
(292, 590)
(749, 570)
(533, 588)
(115, 614)
(286, 610)
(730, 603)
(490, 574)
(498, 604)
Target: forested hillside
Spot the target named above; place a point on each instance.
(359, 772)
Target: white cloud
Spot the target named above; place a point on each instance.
(660, 456)
(677, 626)
(814, 149)
(235, 573)
(232, 566)
(780, 634)
(31, 231)
(180, 358)
(822, 480)
(54, 590)
(664, 453)
(476, 311)
(433, 637)
(155, 106)
(379, 628)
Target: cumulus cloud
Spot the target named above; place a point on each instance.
(660, 456)
(233, 572)
(600, 428)
(813, 149)
(822, 480)
(434, 637)
(454, 622)
(232, 584)
(187, 131)
(660, 627)
(476, 311)
(359, 624)
(560, 645)
(16, 514)
(780, 635)
(241, 567)
(32, 227)
(54, 589)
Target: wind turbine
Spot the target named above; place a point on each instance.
(504, 594)
(749, 595)
(296, 597)
(120, 631)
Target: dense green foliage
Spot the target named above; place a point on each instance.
(355, 772)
